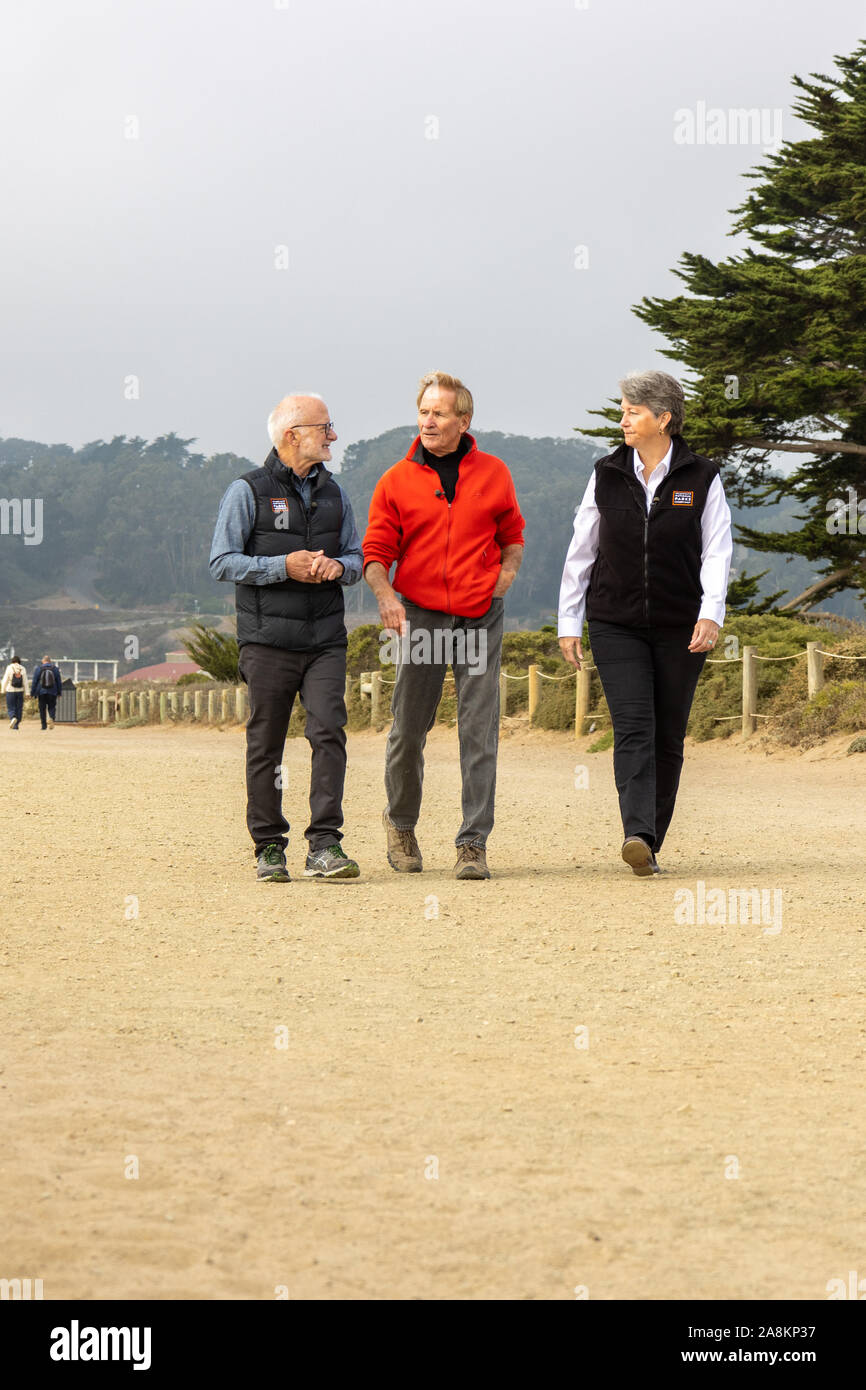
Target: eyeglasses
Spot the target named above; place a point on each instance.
(328, 427)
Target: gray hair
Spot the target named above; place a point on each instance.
(658, 392)
(288, 413)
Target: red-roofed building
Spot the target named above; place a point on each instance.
(165, 671)
(175, 665)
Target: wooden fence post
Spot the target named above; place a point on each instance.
(750, 691)
(172, 703)
(197, 704)
(376, 699)
(503, 695)
(124, 705)
(814, 667)
(534, 684)
(186, 702)
(151, 703)
(224, 707)
(104, 695)
(240, 703)
(163, 707)
(211, 706)
(581, 700)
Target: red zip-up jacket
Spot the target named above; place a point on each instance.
(448, 555)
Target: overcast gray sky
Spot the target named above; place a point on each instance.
(430, 170)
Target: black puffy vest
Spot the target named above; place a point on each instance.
(648, 567)
(301, 617)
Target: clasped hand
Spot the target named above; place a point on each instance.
(312, 567)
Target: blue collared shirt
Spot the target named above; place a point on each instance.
(234, 524)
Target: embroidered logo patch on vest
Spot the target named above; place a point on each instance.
(683, 499)
(280, 504)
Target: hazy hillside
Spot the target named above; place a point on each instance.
(127, 526)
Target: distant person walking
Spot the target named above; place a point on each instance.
(448, 515)
(648, 564)
(285, 537)
(46, 685)
(14, 686)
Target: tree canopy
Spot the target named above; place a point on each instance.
(774, 339)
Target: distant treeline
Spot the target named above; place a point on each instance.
(138, 517)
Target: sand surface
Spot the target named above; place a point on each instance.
(429, 1129)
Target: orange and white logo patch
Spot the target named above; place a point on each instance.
(684, 499)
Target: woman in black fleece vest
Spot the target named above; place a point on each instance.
(648, 565)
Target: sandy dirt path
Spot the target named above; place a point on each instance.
(708, 1141)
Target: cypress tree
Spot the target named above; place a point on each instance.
(774, 340)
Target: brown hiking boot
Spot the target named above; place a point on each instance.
(471, 862)
(403, 852)
(639, 857)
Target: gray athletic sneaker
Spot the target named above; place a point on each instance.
(271, 865)
(330, 862)
(403, 852)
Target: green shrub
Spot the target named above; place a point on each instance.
(602, 744)
(720, 688)
(782, 685)
(362, 653)
(214, 651)
(838, 708)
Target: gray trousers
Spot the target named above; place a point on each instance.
(473, 647)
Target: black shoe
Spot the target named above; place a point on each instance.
(639, 857)
(271, 865)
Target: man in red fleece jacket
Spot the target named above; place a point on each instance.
(448, 515)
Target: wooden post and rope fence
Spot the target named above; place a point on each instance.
(748, 717)
(230, 705)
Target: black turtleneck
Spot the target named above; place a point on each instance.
(447, 466)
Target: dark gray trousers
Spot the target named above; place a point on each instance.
(417, 691)
(274, 676)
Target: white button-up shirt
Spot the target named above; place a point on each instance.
(716, 549)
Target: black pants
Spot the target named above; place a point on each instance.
(649, 678)
(47, 705)
(274, 677)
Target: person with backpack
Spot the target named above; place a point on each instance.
(46, 684)
(13, 686)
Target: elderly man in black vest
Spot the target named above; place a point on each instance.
(285, 537)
